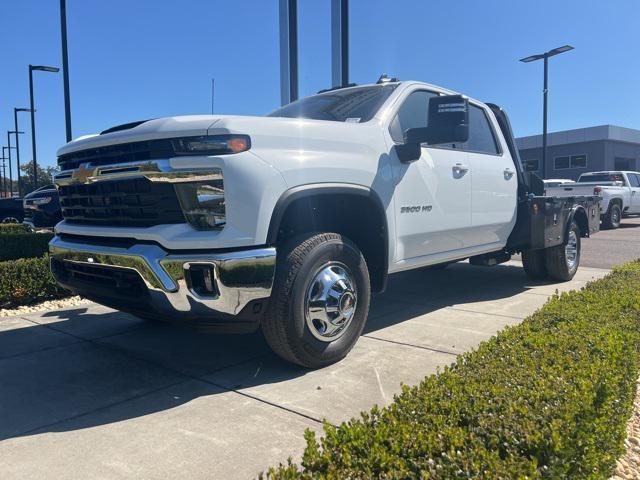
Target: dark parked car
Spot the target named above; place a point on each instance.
(42, 207)
(11, 210)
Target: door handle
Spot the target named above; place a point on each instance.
(459, 168)
(508, 173)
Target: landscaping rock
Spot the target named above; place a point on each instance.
(47, 305)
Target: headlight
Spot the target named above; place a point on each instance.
(203, 204)
(211, 145)
(40, 201)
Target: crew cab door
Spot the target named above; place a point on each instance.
(634, 184)
(432, 194)
(494, 181)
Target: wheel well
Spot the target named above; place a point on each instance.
(358, 215)
(616, 200)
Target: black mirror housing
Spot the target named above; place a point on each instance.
(448, 119)
(408, 152)
(448, 122)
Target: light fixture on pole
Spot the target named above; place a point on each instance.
(39, 68)
(545, 56)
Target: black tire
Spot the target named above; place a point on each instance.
(285, 324)
(613, 217)
(534, 264)
(557, 259)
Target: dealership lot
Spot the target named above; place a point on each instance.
(93, 392)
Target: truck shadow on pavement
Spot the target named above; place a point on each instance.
(81, 368)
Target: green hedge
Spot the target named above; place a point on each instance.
(27, 280)
(24, 245)
(12, 228)
(549, 398)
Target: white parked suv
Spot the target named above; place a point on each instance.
(619, 190)
(288, 222)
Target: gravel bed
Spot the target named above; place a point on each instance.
(628, 467)
(44, 306)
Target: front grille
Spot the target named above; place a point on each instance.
(124, 152)
(135, 202)
(118, 280)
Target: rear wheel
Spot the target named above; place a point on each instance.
(320, 300)
(613, 217)
(562, 261)
(534, 264)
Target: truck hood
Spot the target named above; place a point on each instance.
(265, 132)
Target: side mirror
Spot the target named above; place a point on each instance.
(448, 122)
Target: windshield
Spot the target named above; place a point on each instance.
(355, 105)
(602, 177)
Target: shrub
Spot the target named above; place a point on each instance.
(24, 245)
(548, 398)
(12, 228)
(27, 280)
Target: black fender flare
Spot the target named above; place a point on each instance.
(313, 189)
(572, 214)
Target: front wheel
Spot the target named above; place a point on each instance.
(320, 300)
(562, 261)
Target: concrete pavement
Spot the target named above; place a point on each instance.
(612, 247)
(94, 393)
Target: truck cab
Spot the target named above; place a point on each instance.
(289, 222)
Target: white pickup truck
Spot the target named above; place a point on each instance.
(289, 222)
(619, 190)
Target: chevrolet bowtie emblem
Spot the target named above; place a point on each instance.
(82, 174)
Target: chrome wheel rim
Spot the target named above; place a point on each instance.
(10, 220)
(571, 250)
(330, 303)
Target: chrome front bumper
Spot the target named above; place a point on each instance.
(239, 277)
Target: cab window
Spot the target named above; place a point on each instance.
(481, 136)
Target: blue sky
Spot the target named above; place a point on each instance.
(138, 59)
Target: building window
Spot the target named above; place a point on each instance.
(620, 163)
(578, 161)
(561, 163)
(573, 161)
(531, 165)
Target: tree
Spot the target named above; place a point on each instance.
(45, 177)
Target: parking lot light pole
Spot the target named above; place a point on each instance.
(65, 68)
(16, 133)
(15, 124)
(4, 172)
(545, 90)
(9, 132)
(40, 68)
